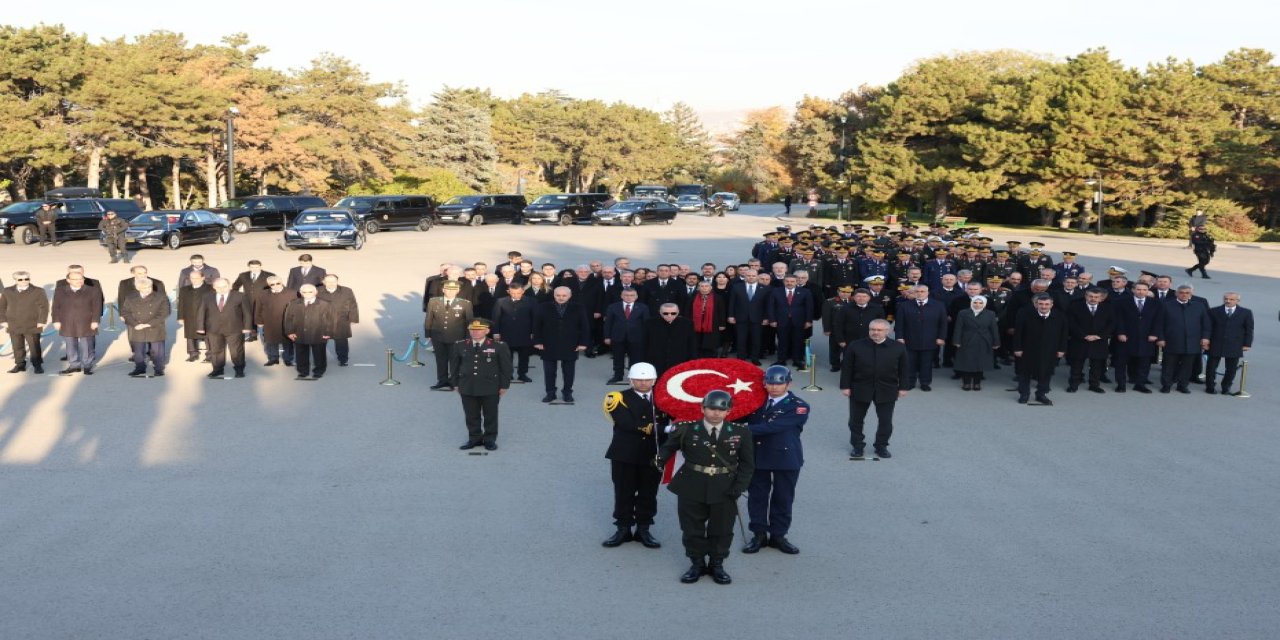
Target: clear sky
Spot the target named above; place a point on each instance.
(720, 57)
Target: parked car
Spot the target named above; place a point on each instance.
(265, 212)
(174, 229)
(319, 228)
(78, 218)
(565, 208)
(690, 203)
(731, 199)
(477, 210)
(637, 212)
(391, 212)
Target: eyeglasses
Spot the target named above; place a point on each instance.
(669, 313)
(23, 279)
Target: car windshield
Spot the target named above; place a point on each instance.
(649, 191)
(22, 207)
(725, 196)
(467, 200)
(237, 203)
(628, 205)
(688, 198)
(357, 202)
(155, 219)
(324, 217)
(552, 199)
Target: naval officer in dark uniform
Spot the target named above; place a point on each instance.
(776, 428)
(718, 463)
(480, 370)
(637, 432)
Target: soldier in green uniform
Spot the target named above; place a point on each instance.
(446, 323)
(719, 460)
(113, 228)
(831, 316)
(481, 372)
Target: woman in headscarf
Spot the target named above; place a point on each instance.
(976, 338)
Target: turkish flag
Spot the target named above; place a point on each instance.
(680, 390)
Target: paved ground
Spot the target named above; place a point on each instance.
(267, 507)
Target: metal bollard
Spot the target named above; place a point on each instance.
(1244, 377)
(390, 381)
(415, 362)
(813, 375)
(111, 318)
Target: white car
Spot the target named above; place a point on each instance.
(731, 199)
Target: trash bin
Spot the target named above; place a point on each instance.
(891, 218)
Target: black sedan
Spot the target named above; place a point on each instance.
(175, 228)
(319, 228)
(636, 212)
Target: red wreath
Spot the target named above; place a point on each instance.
(680, 390)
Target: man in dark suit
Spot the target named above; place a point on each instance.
(485, 297)
(920, 324)
(790, 310)
(624, 323)
(513, 325)
(481, 372)
(268, 314)
(748, 315)
(561, 330)
(77, 312)
(305, 273)
(1090, 325)
(129, 285)
(638, 431)
(308, 322)
(253, 283)
(669, 339)
(719, 462)
(663, 289)
(776, 428)
(856, 319)
(190, 299)
(24, 312)
(1039, 341)
(1231, 337)
(588, 293)
(342, 303)
(224, 320)
(197, 264)
(1138, 325)
(874, 370)
(1184, 336)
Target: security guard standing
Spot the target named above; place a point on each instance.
(113, 228)
(638, 430)
(446, 323)
(718, 463)
(47, 223)
(481, 372)
(776, 428)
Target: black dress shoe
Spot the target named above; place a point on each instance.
(69, 371)
(525, 379)
(1184, 390)
(342, 364)
(977, 386)
(1096, 389)
(192, 358)
(1044, 400)
(755, 543)
(303, 376)
(238, 374)
(1072, 389)
(215, 374)
(968, 386)
(317, 376)
(137, 374)
(1210, 390)
(835, 367)
(271, 363)
(645, 538)
(439, 386)
(1198, 379)
(567, 396)
(18, 369)
(883, 452)
(490, 446)
(925, 387)
(857, 452)
(623, 534)
(782, 544)
(158, 374)
(550, 397)
(470, 444)
(1023, 399)
(38, 370)
(88, 371)
(696, 570)
(1165, 389)
(1142, 389)
(717, 572)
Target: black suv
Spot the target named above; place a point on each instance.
(377, 213)
(565, 208)
(477, 210)
(78, 216)
(265, 212)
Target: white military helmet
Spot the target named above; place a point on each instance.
(642, 371)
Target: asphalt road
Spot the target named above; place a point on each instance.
(271, 508)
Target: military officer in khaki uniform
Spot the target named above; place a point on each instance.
(446, 323)
(719, 460)
(481, 372)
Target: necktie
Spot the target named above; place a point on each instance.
(304, 271)
(221, 302)
(715, 433)
(1139, 305)
(1044, 317)
(790, 295)
(751, 291)
(1092, 309)
(1230, 310)
(920, 303)
(308, 303)
(626, 310)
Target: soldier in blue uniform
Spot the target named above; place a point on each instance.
(718, 464)
(1068, 268)
(776, 428)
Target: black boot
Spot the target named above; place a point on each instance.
(645, 538)
(623, 534)
(755, 543)
(716, 570)
(695, 571)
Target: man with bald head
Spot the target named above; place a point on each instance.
(561, 330)
(224, 320)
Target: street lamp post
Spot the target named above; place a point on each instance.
(231, 152)
(844, 129)
(1097, 182)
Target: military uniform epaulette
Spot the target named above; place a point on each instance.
(612, 401)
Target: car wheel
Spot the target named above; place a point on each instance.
(241, 226)
(566, 219)
(425, 224)
(372, 226)
(29, 235)
(359, 244)
(174, 241)
(670, 220)
(477, 220)
(635, 220)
